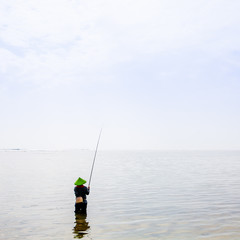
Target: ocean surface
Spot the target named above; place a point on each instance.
(135, 195)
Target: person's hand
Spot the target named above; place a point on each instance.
(88, 187)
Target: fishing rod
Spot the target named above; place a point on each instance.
(94, 158)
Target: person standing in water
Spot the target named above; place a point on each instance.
(80, 192)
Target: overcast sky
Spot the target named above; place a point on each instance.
(155, 74)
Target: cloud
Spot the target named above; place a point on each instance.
(56, 40)
(63, 41)
(50, 22)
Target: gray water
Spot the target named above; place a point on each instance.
(134, 195)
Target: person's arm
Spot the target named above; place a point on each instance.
(87, 190)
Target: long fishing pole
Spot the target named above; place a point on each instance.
(94, 158)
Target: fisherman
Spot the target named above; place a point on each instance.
(80, 192)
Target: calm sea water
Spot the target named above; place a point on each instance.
(134, 195)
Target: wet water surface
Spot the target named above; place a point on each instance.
(134, 195)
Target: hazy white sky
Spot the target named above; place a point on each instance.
(155, 74)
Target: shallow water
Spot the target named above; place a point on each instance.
(134, 195)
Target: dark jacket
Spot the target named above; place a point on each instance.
(81, 191)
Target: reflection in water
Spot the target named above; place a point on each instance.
(81, 227)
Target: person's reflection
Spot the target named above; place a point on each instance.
(81, 227)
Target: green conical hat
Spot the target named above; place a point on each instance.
(80, 181)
